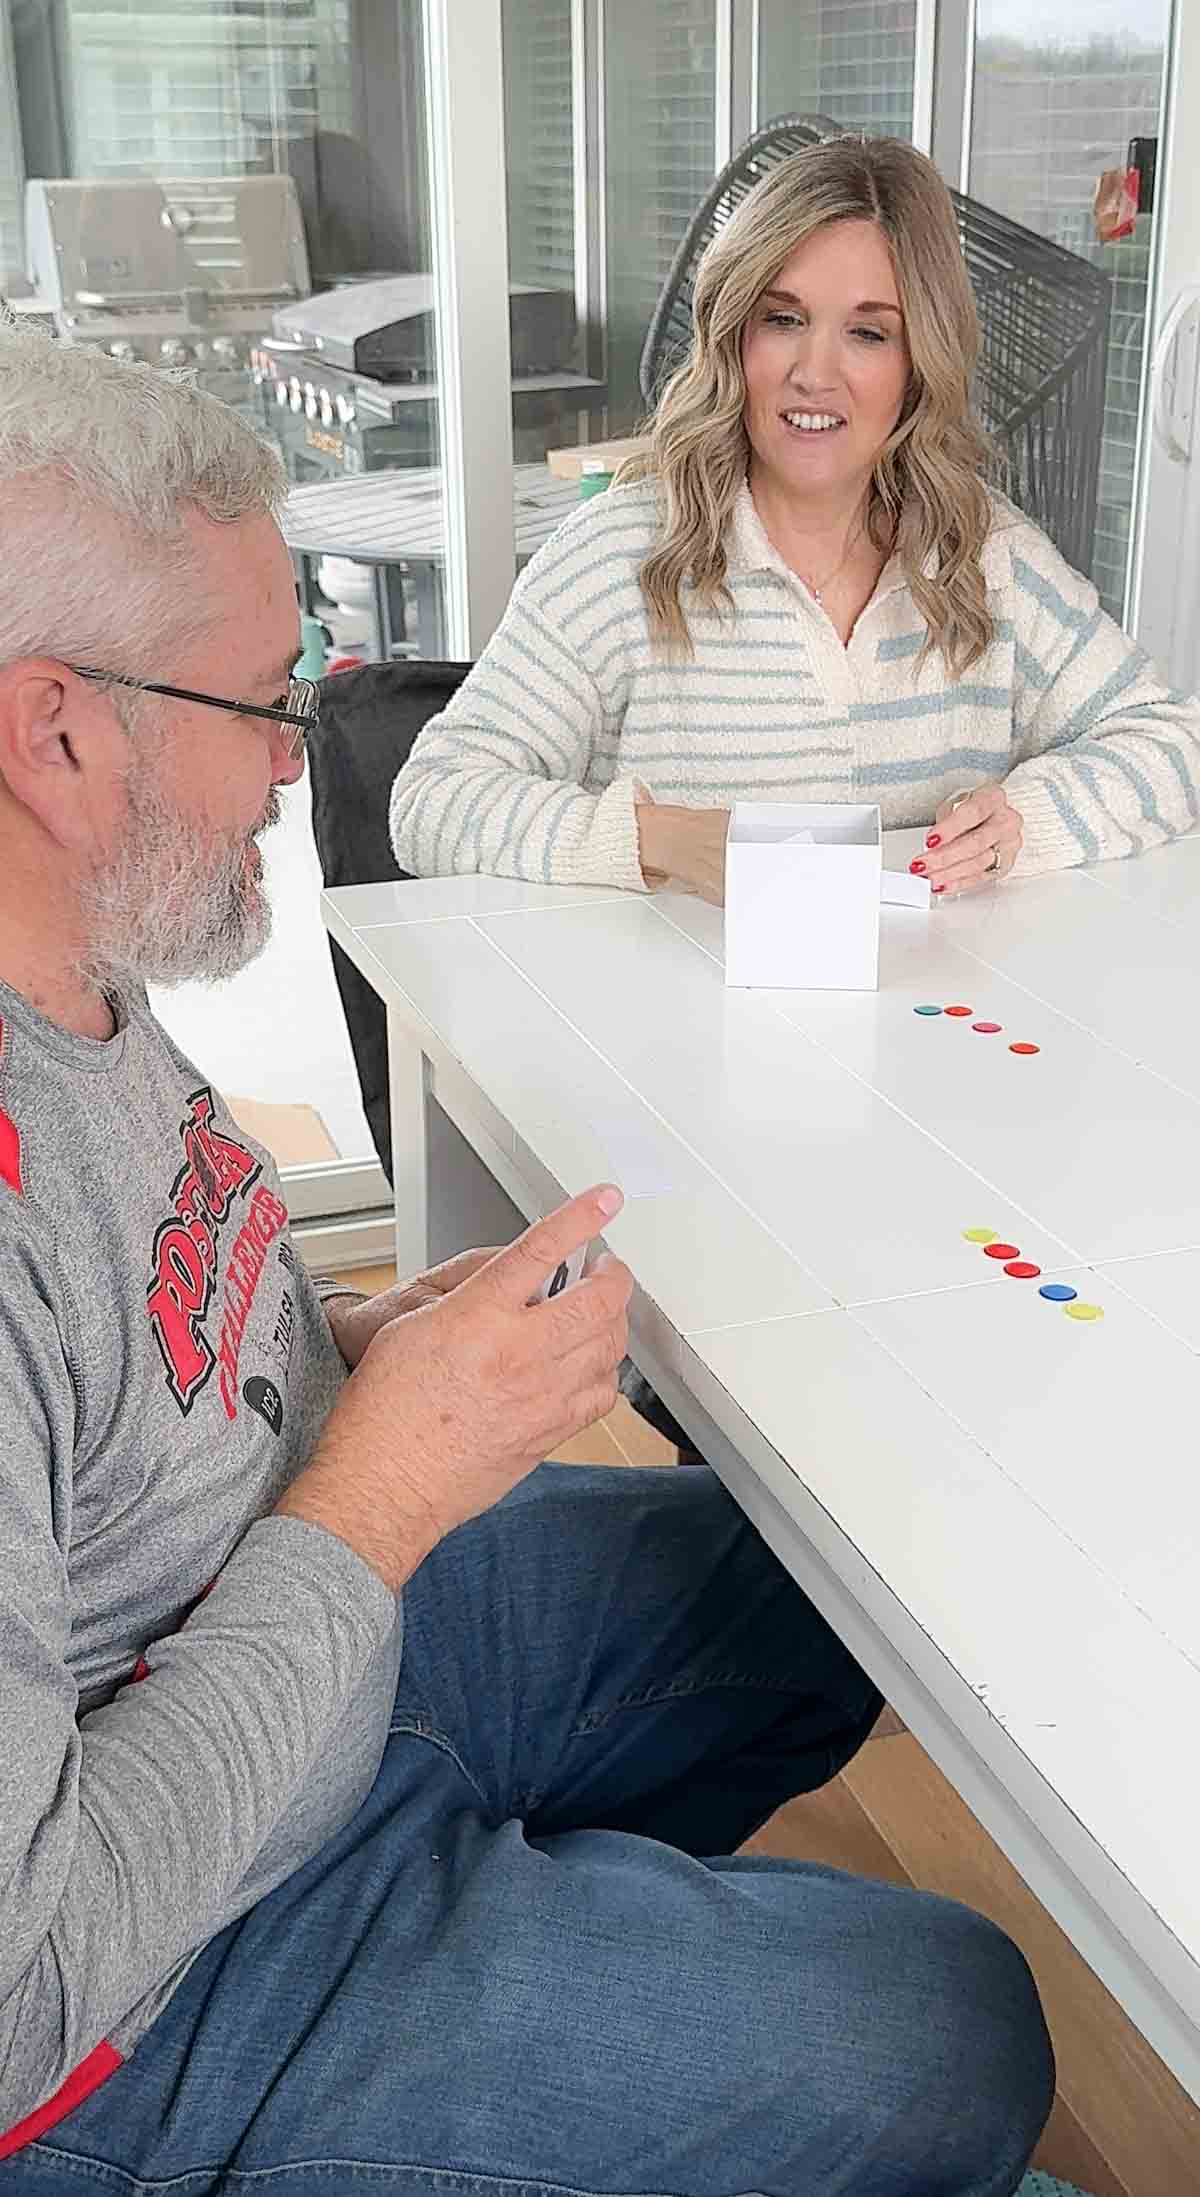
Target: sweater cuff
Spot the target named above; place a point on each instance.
(608, 853)
(1047, 842)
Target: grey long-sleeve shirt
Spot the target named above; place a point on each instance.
(194, 1696)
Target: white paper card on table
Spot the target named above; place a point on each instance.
(899, 889)
(802, 912)
(637, 1161)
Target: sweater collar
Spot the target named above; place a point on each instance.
(749, 548)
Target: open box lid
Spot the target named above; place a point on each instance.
(804, 823)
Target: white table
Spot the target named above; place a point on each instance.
(996, 1505)
(397, 518)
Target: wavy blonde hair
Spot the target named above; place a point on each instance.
(928, 503)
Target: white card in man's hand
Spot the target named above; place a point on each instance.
(566, 1272)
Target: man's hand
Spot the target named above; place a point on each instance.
(450, 1406)
(355, 1324)
(683, 846)
(975, 840)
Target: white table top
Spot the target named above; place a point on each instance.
(1012, 1491)
(383, 518)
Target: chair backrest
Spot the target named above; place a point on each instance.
(370, 718)
(670, 329)
(1043, 316)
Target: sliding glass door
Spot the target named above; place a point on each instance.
(1061, 87)
(853, 60)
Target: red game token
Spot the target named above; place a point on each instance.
(1001, 1251)
(960, 1010)
(1024, 1048)
(1022, 1270)
(987, 1029)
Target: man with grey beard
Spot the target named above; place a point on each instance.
(370, 1796)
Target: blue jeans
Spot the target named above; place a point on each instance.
(533, 1966)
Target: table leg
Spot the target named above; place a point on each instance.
(306, 572)
(426, 576)
(447, 1200)
(381, 636)
(408, 1080)
(466, 1206)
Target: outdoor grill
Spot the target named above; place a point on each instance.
(178, 274)
(347, 379)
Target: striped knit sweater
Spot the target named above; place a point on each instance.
(533, 769)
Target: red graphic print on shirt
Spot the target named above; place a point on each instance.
(266, 1219)
(218, 1172)
(10, 1141)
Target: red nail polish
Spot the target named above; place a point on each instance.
(917, 868)
(937, 888)
(934, 839)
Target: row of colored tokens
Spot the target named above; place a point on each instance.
(985, 1029)
(1023, 1270)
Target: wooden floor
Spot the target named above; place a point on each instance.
(1121, 2126)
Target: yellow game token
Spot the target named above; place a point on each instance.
(979, 1235)
(1079, 1311)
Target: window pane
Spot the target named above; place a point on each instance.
(12, 173)
(240, 186)
(1060, 88)
(649, 160)
(540, 141)
(660, 128)
(849, 59)
(558, 391)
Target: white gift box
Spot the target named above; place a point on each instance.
(802, 889)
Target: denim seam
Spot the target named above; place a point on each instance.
(229, 2179)
(650, 1696)
(435, 2178)
(102, 2170)
(417, 1728)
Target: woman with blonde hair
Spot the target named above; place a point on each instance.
(805, 590)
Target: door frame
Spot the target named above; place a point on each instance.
(1163, 599)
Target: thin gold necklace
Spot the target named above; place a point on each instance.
(818, 592)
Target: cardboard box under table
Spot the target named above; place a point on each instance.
(802, 886)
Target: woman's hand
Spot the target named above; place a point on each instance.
(683, 846)
(975, 840)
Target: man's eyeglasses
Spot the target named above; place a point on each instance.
(299, 709)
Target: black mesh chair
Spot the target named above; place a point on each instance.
(1043, 315)
(370, 718)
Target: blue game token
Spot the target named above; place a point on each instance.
(1058, 1292)
(927, 1010)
